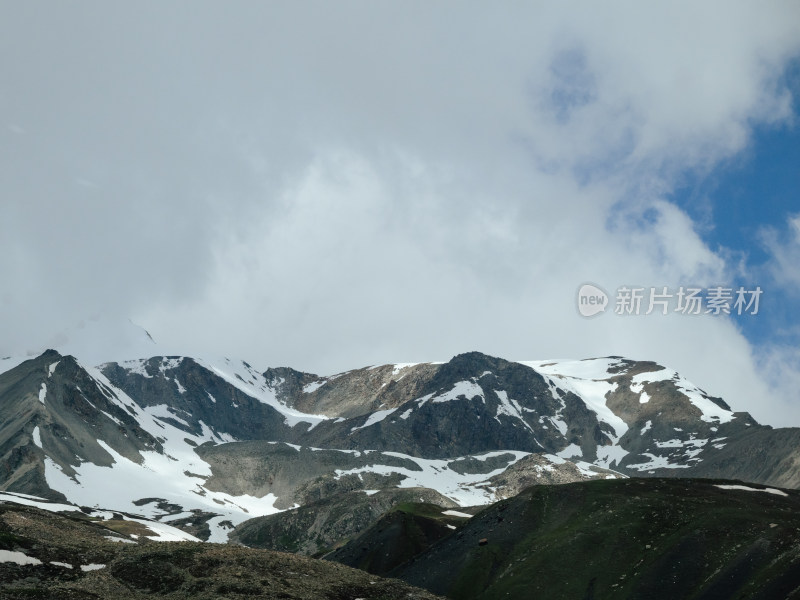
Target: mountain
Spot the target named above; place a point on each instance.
(53, 402)
(206, 444)
(633, 538)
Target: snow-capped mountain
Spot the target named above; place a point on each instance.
(204, 444)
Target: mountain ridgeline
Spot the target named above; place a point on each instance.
(635, 418)
(215, 449)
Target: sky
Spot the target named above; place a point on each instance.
(333, 185)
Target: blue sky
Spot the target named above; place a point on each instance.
(744, 197)
(401, 182)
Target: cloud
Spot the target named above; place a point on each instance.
(348, 276)
(361, 183)
(784, 250)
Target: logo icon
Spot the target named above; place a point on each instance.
(592, 300)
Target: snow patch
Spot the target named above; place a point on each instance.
(37, 502)
(750, 489)
(36, 437)
(610, 455)
(455, 513)
(637, 387)
(670, 444)
(19, 558)
(169, 364)
(376, 417)
(397, 367)
(656, 462)
(219, 532)
(466, 490)
(421, 401)
(162, 411)
(42, 393)
(571, 451)
(660, 374)
(509, 406)
(559, 424)
(313, 386)
(468, 389)
(137, 367)
(588, 380)
(584, 468)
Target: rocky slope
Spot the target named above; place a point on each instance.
(351, 394)
(53, 402)
(318, 527)
(57, 557)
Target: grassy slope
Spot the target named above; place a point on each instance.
(653, 538)
(397, 537)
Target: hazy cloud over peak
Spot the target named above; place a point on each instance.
(328, 185)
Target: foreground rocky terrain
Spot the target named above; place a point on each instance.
(69, 557)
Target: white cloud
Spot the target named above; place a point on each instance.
(380, 182)
(784, 250)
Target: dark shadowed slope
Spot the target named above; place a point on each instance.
(634, 538)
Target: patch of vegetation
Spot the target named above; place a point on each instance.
(148, 575)
(10, 541)
(127, 527)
